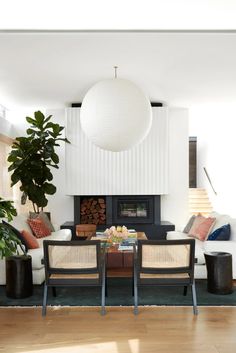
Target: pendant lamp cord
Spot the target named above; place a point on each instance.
(115, 67)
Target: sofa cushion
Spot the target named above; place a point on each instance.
(30, 240)
(62, 234)
(199, 255)
(232, 223)
(37, 254)
(189, 224)
(221, 220)
(173, 235)
(201, 227)
(37, 257)
(38, 227)
(224, 245)
(222, 233)
(45, 219)
(20, 223)
(199, 245)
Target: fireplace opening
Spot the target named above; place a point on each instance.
(133, 209)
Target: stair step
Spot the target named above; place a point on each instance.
(197, 193)
(197, 189)
(199, 199)
(197, 206)
(201, 209)
(199, 202)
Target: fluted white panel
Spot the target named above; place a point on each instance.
(142, 170)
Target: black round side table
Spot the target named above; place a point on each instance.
(19, 283)
(219, 272)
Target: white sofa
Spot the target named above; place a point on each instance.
(20, 223)
(211, 245)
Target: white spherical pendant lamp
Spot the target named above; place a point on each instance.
(115, 115)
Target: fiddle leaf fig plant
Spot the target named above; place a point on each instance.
(7, 210)
(32, 158)
(9, 242)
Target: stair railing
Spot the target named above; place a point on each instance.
(209, 179)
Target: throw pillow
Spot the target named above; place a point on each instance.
(45, 216)
(189, 224)
(17, 233)
(31, 241)
(39, 228)
(201, 227)
(222, 233)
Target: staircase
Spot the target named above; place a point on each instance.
(199, 202)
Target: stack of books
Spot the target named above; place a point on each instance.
(127, 244)
(100, 236)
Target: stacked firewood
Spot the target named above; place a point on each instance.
(93, 211)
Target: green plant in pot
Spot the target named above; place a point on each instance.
(18, 264)
(9, 242)
(32, 158)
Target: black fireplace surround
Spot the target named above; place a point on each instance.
(126, 209)
(139, 212)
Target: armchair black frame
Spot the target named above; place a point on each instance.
(159, 275)
(72, 276)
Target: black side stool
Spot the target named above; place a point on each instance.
(19, 283)
(219, 272)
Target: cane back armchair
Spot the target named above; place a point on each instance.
(74, 263)
(164, 263)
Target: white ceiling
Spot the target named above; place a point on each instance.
(52, 70)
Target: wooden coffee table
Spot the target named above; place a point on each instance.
(120, 262)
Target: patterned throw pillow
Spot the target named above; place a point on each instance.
(45, 217)
(39, 228)
(222, 233)
(189, 224)
(201, 227)
(30, 240)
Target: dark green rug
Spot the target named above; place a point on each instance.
(120, 293)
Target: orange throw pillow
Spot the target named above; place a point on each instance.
(30, 240)
(201, 227)
(39, 228)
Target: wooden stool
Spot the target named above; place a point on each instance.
(83, 231)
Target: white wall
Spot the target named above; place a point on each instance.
(174, 206)
(215, 127)
(7, 129)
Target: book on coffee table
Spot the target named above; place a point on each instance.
(125, 247)
(100, 236)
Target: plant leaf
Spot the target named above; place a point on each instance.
(55, 158)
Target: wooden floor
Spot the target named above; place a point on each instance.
(154, 330)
